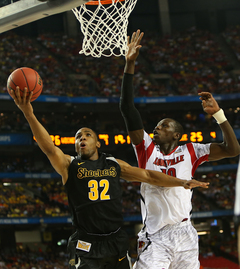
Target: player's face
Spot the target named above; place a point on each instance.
(86, 143)
(164, 132)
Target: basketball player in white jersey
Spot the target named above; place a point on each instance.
(168, 240)
(237, 209)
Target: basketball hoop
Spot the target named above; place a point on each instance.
(104, 26)
(103, 2)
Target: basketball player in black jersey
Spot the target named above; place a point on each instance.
(94, 194)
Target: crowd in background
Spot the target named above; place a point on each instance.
(45, 256)
(222, 189)
(68, 122)
(182, 64)
(24, 52)
(195, 61)
(217, 242)
(191, 61)
(18, 200)
(53, 122)
(232, 37)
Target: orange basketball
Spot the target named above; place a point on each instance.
(25, 77)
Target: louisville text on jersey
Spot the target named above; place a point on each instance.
(166, 163)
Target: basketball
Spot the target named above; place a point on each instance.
(25, 77)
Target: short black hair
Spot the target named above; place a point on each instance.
(89, 129)
(178, 128)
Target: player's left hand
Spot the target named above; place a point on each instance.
(209, 103)
(189, 184)
(134, 46)
(23, 102)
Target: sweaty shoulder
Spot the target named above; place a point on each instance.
(145, 141)
(199, 150)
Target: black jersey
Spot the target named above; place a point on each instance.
(94, 194)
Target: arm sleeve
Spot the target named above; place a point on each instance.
(129, 112)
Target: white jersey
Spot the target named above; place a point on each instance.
(161, 205)
(237, 198)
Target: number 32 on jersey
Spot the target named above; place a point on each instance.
(95, 193)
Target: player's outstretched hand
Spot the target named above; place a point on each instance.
(23, 102)
(189, 184)
(134, 46)
(209, 103)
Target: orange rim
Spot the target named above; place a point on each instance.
(103, 2)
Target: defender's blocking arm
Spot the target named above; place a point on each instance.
(129, 112)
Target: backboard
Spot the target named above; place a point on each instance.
(26, 11)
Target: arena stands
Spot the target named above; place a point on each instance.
(26, 52)
(67, 121)
(18, 200)
(232, 37)
(182, 64)
(193, 59)
(45, 257)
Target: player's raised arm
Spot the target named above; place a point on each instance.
(58, 159)
(131, 173)
(230, 146)
(129, 112)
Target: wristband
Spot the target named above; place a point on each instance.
(219, 116)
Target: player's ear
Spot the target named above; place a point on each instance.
(177, 136)
(98, 144)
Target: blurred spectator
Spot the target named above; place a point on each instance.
(192, 60)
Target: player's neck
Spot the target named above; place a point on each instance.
(92, 157)
(167, 148)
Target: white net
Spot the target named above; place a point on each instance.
(105, 27)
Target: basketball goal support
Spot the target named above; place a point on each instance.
(23, 12)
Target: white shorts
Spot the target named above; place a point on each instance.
(173, 247)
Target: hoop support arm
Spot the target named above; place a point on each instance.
(24, 12)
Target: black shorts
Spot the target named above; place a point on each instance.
(98, 252)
